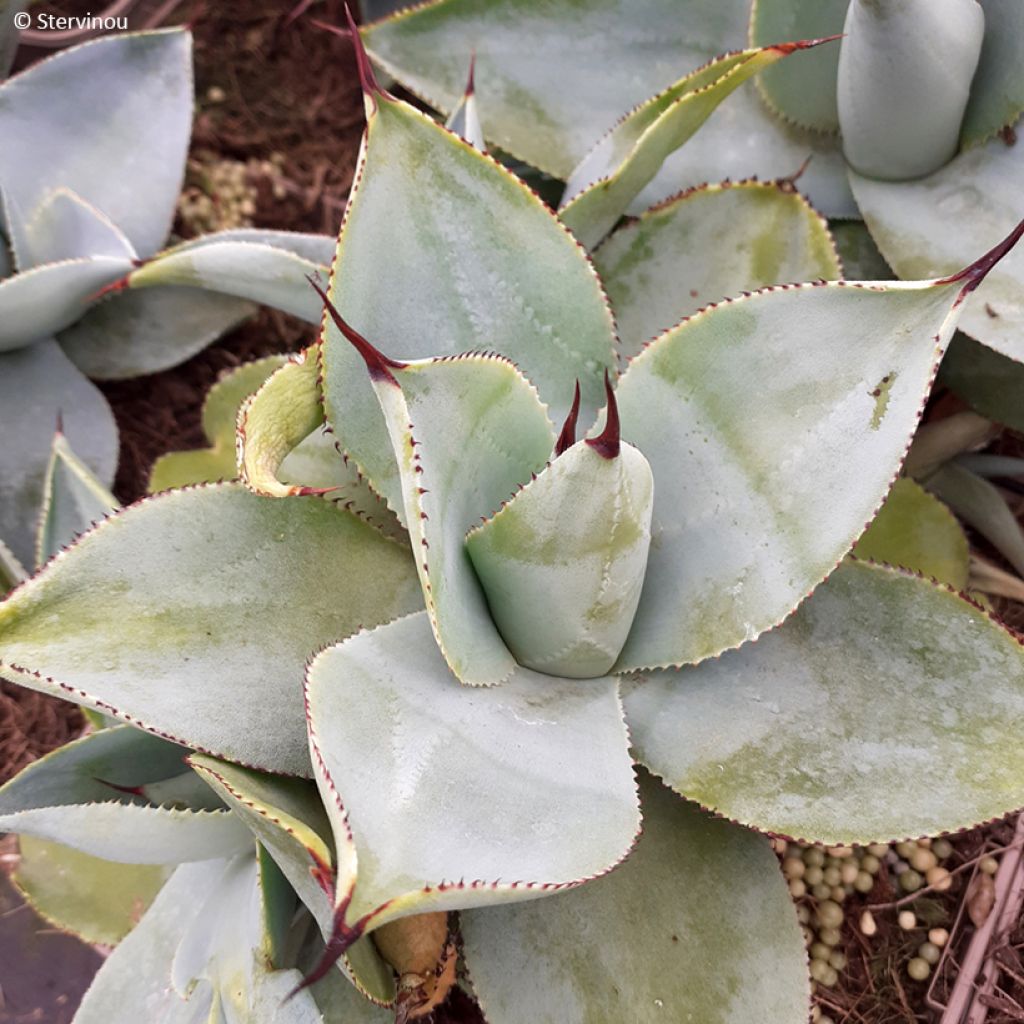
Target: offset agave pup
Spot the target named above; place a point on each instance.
(499, 620)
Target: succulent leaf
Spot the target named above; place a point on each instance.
(979, 504)
(707, 244)
(997, 90)
(132, 333)
(46, 299)
(220, 413)
(135, 978)
(799, 733)
(97, 900)
(64, 226)
(258, 271)
(563, 562)
(73, 500)
(802, 90)
(750, 413)
(932, 226)
(172, 663)
(942, 439)
(905, 70)
(626, 159)
(914, 530)
(858, 254)
(989, 382)
(225, 950)
(38, 384)
(210, 922)
(282, 452)
(546, 105)
(452, 226)
(12, 572)
(696, 924)
(465, 433)
(275, 418)
(539, 783)
(465, 118)
(99, 795)
(288, 819)
(91, 114)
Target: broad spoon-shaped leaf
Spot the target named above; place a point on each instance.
(451, 227)
(775, 425)
(465, 432)
(799, 733)
(445, 797)
(116, 622)
(697, 925)
(609, 178)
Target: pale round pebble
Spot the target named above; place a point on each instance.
(929, 952)
(849, 872)
(907, 920)
(814, 855)
(793, 867)
(819, 951)
(989, 865)
(868, 924)
(813, 874)
(821, 891)
(837, 960)
(918, 969)
(797, 888)
(938, 936)
(870, 863)
(939, 877)
(864, 882)
(942, 848)
(910, 880)
(923, 859)
(830, 915)
(878, 849)
(830, 936)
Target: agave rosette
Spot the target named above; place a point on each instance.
(498, 622)
(81, 253)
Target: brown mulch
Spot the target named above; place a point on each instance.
(32, 724)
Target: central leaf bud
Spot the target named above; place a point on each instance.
(563, 562)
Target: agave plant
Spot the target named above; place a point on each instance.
(499, 621)
(77, 127)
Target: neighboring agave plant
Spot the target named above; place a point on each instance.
(77, 129)
(499, 621)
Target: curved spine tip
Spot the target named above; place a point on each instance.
(60, 422)
(110, 289)
(567, 438)
(471, 80)
(379, 365)
(804, 44)
(367, 77)
(975, 273)
(606, 444)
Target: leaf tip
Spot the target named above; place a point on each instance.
(606, 444)
(976, 272)
(367, 77)
(804, 44)
(379, 365)
(567, 438)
